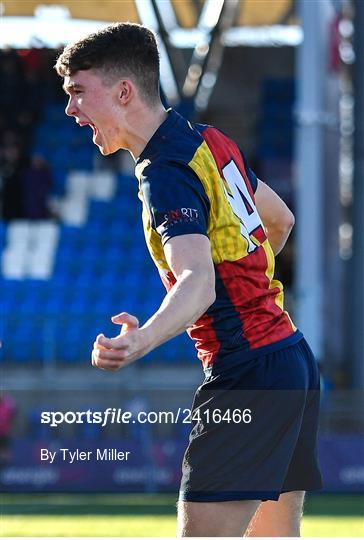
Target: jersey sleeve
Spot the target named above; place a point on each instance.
(176, 201)
(251, 174)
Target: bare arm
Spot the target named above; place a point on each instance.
(189, 257)
(275, 214)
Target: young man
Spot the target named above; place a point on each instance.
(212, 229)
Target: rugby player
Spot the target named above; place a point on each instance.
(212, 229)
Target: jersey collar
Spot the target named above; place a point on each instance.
(153, 146)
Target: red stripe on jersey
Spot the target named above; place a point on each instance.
(259, 234)
(224, 150)
(263, 322)
(167, 278)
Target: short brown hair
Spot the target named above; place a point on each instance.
(121, 49)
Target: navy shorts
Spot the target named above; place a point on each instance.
(255, 429)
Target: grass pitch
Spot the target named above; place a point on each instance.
(150, 515)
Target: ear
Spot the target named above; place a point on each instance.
(126, 90)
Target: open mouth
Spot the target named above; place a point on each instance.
(92, 126)
(94, 129)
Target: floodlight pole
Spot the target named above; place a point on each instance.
(312, 65)
(356, 284)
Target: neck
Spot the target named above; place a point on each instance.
(145, 123)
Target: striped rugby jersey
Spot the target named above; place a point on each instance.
(194, 179)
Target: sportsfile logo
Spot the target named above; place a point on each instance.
(112, 415)
(181, 215)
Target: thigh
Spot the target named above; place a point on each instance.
(278, 518)
(214, 518)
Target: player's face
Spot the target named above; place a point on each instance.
(93, 103)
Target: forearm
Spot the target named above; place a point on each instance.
(188, 299)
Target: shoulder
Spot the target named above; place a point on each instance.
(168, 174)
(175, 198)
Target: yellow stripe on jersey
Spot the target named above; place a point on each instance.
(227, 243)
(152, 238)
(224, 227)
(274, 283)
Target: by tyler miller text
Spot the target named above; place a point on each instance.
(74, 456)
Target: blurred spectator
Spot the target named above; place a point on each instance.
(36, 183)
(28, 83)
(32, 60)
(11, 162)
(34, 94)
(12, 79)
(7, 417)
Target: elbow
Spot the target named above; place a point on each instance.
(201, 288)
(285, 223)
(209, 293)
(211, 297)
(289, 221)
(204, 305)
(203, 301)
(206, 295)
(281, 227)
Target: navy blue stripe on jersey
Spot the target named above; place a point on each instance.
(226, 322)
(176, 199)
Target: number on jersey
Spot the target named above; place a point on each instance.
(242, 204)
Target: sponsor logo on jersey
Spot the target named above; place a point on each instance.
(180, 215)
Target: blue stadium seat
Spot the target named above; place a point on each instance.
(59, 175)
(25, 342)
(54, 305)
